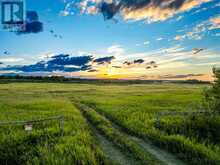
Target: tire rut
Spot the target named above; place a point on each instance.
(159, 153)
(112, 152)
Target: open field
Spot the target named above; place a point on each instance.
(104, 119)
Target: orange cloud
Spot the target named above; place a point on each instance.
(153, 13)
(215, 23)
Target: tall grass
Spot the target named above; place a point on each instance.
(133, 107)
(45, 145)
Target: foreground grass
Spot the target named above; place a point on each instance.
(131, 106)
(45, 145)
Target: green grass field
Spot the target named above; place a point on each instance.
(117, 112)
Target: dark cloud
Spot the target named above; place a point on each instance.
(116, 66)
(93, 70)
(60, 62)
(60, 56)
(55, 35)
(197, 50)
(32, 24)
(65, 59)
(149, 65)
(180, 76)
(127, 63)
(152, 63)
(6, 52)
(31, 16)
(109, 9)
(104, 60)
(139, 61)
(158, 9)
(1, 63)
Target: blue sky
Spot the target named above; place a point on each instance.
(170, 37)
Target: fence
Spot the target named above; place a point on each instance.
(28, 124)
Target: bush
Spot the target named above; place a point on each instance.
(212, 95)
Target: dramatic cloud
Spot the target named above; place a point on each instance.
(104, 60)
(157, 10)
(32, 24)
(65, 59)
(60, 62)
(149, 10)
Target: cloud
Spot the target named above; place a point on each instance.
(64, 13)
(139, 61)
(117, 67)
(180, 76)
(200, 29)
(62, 62)
(146, 42)
(104, 60)
(197, 32)
(179, 18)
(127, 63)
(65, 59)
(215, 23)
(217, 34)
(159, 39)
(32, 24)
(148, 10)
(93, 70)
(11, 60)
(115, 49)
(47, 55)
(218, 4)
(179, 37)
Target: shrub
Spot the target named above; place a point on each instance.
(212, 95)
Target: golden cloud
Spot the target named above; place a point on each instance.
(152, 12)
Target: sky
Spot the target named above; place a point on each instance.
(115, 39)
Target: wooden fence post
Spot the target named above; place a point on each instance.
(62, 125)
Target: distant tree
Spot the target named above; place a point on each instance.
(212, 95)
